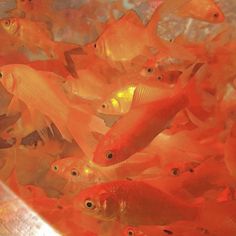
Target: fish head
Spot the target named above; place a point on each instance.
(98, 202)
(110, 106)
(8, 79)
(10, 25)
(214, 15)
(109, 151)
(101, 48)
(119, 102)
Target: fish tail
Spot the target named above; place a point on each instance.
(189, 86)
(168, 6)
(81, 125)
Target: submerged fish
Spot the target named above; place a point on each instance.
(206, 10)
(133, 203)
(136, 129)
(37, 92)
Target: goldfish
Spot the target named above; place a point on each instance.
(21, 31)
(206, 10)
(132, 203)
(120, 101)
(113, 46)
(16, 80)
(144, 123)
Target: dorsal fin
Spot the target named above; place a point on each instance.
(147, 93)
(132, 17)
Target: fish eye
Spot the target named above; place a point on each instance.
(216, 15)
(109, 155)
(167, 231)
(7, 22)
(175, 171)
(74, 172)
(55, 168)
(95, 45)
(89, 204)
(131, 233)
(150, 70)
(104, 105)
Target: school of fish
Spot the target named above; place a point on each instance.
(114, 124)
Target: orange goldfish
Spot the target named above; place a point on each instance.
(118, 41)
(136, 129)
(120, 101)
(25, 35)
(17, 80)
(22, 32)
(132, 203)
(206, 10)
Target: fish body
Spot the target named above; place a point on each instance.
(89, 85)
(136, 129)
(133, 203)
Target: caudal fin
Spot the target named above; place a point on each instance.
(168, 6)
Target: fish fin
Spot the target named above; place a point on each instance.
(14, 106)
(132, 17)
(39, 123)
(142, 94)
(70, 65)
(147, 93)
(81, 124)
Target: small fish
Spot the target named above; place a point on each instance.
(118, 41)
(17, 80)
(136, 129)
(206, 10)
(37, 41)
(133, 203)
(23, 32)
